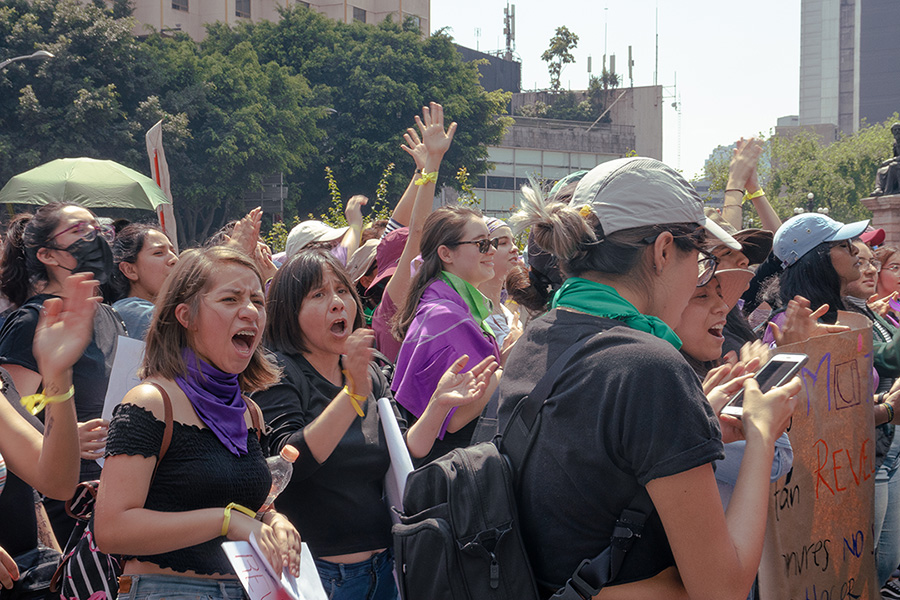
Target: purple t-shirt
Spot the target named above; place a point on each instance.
(442, 330)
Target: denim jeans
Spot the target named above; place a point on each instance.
(887, 512)
(371, 579)
(176, 587)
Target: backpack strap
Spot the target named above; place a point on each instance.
(592, 574)
(170, 426)
(521, 431)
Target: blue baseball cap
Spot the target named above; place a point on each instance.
(800, 234)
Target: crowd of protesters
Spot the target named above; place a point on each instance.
(436, 310)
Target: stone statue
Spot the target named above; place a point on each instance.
(887, 179)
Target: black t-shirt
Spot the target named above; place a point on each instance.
(18, 525)
(337, 506)
(90, 375)
(626, 410)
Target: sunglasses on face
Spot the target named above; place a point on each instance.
(483, 245)
(88, 232)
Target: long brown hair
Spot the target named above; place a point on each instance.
(166, 337)
(443, 227)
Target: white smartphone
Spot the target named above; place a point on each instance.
(778, 371)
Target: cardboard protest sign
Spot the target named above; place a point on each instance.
(819, 533)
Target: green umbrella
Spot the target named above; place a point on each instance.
(85, 181)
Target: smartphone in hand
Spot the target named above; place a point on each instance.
(778, 371)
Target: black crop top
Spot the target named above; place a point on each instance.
(196, 472)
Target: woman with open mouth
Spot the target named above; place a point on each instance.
(325, 406)
(444, 317)
(169, 516)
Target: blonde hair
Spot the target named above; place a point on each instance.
(166, 337)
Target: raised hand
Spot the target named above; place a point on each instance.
(245, 235)
(744, 161)
(415, 148)
(436, 139)
(356, 358)
(458, 389)
(353, 210)
(66, 325)
(801, 323)
(881, 306)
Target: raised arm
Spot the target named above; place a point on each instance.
(743, 177)
(50, 463)
(437, 142)
(353, 213)
(415, 148)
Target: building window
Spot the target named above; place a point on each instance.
(242, 8)
(180, 5)
(303, 4)
(359, 14)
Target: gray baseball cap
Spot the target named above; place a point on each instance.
(636, 192)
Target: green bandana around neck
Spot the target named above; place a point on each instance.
(604, 301)
(479, 306)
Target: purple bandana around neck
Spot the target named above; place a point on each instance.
(216, 396)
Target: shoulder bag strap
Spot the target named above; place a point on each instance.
(521, 430)
(170, 426)
(255, 416)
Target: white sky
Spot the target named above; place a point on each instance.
(736, 64)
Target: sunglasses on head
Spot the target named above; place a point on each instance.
(483, 245)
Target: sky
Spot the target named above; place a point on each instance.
(734, 67)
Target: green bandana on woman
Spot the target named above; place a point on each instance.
(604, 301)
(479, 306)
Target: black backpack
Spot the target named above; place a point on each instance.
(458, 536)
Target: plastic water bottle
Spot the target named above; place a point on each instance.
(281, 467)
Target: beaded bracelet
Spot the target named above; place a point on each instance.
(427, 178)
(890, 410)
(227, 522)
(35, 403)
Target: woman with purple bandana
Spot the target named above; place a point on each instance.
(443, 318)
(168, 517)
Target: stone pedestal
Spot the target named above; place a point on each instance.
(886, 215)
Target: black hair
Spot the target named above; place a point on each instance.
(813, 277)
(303, 272)
(26, 234)
(128, 244)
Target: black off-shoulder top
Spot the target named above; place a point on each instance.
(196, 472)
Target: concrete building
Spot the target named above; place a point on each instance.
(549, 149)
(848, 49)
(497, 73)
(190, 16)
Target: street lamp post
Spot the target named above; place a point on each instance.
(810, 206)
(42, 54)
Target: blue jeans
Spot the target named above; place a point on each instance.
(887, 512)
(371, 579)
(176, 587)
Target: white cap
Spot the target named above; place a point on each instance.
(308, 232)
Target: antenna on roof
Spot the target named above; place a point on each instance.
(509, 30)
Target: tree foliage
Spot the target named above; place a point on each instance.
(369, 82)
(838, 175)
(293, 97)
(559, 54)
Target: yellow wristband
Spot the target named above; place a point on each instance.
(355, 399)
(427, 178)
(35, 403)
(756, 194)
(227, 522)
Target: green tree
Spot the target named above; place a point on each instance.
(370, 81)
(559, 54)
(243, 120)
(78, 103)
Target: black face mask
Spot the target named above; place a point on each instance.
(93, 257)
